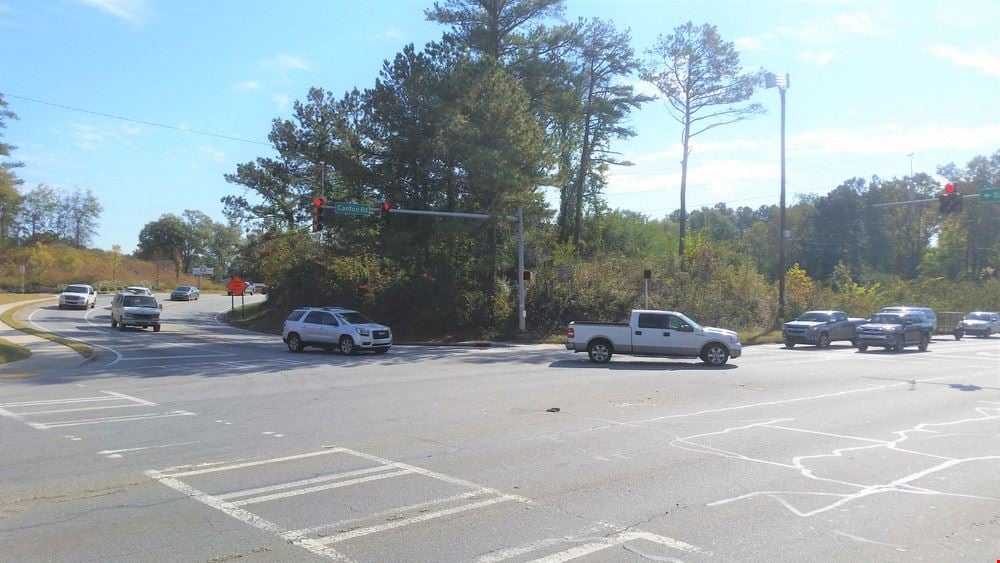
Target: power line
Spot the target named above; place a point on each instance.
(131, 120)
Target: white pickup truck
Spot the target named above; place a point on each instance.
(653, 333)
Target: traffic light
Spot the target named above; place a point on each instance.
(317, 215)
(386, 206)
(950, 200)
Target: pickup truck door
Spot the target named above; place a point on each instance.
(650, 336)
(683, 340)
(840, 329)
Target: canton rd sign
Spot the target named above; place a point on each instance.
(989, 195)
(351, 208)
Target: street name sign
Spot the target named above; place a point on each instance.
(990, 195)
(351, 208)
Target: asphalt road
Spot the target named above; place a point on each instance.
(207, 443)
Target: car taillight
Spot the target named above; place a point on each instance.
(570, 333)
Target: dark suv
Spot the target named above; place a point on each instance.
(894, 331)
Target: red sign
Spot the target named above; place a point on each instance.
(236, 286)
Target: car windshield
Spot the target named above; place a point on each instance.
(887, 319)
(814, 316)
(139, 301)
(978, 316)
(183, 289)
(76, 289)
(354, 318)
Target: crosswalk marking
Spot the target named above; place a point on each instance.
(23, 410)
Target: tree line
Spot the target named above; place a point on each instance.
(508, 103)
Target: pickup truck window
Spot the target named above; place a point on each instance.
(652, 320)
(677, 323)
(837, 317)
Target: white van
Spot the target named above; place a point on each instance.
(129, 309)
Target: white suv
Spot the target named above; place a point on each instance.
(78, 295)
(129, 309)
(334, 327)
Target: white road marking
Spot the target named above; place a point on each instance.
(256, 463)
(303, 482)
(337, 538)
(175, 357)
(318, 488)
(389, 513)
(107, 452)
(578, 551)
(133, 405)
(249, 518)
(109, 419)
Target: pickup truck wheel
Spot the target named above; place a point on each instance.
(715, 355)
(862, 347)
(789, 344)
(824, 340)
(295, 343)
(924, 341)
(346, 345)
(599, 351)
(959, 334)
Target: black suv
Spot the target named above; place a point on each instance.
(894, 331)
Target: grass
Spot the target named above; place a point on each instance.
(15, 352)
(252, 317)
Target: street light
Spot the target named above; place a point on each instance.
(780, 81)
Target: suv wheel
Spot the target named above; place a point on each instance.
(925, 339)
(346, 345)
(295, 343)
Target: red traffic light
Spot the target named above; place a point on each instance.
(318, 202)
(949, 188)
(386, 206)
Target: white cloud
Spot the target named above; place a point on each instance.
(986, 62)
(818, 58)
(392, 33)
(289, 62)
(282, 101)
(129, 10)
(90, 137)
(748, 43)
(214, 154)
(860, 23)
(247, 85)
(895, 139)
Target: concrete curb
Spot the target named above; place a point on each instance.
(46, 356)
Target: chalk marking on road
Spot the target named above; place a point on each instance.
(303, 482)
(256, 463)
(777, 402)
(318, 488)
(392, 513)
(337, 538)
(249, 518)
(900, 485)
(111, 419)
(866, 540)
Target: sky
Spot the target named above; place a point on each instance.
(149, 103)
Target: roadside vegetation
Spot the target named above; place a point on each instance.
(9, 317)
(509, 105)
